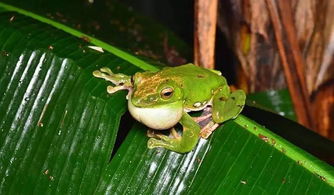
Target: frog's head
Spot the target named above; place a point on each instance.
(156, 101)
(152, 90)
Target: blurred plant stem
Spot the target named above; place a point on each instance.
(278, 44)
(205, 32)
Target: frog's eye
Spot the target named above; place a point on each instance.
(166, 93)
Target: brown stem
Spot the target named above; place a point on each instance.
(292, 60)
(205, 32)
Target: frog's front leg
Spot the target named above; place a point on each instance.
(226, 105)
(180, 144)
(122, 81)
(108, 75)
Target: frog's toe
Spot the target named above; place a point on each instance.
(163, 137)
(164, 143)
(207, 130)
(106, 70)
(153, 143)
(150, 133)
(98, 74)
(170, 144)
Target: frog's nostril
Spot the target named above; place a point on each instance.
(151, 99)
(135, 101)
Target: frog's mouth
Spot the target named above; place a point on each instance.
(158, 117)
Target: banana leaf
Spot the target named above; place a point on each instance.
(116, 24)
(61, 133)
(277, 101)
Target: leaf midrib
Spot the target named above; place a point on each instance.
(117, 52)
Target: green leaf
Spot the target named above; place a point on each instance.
(275, 101)
(279, 102)
(113, 23)
(233, 160)
(58, 126)
(92, 40)
(58, 129)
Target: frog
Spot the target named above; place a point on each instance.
(164, 98)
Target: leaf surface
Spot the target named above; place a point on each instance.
(59, 126)
(277, 101)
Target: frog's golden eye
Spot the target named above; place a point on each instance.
(166, 93)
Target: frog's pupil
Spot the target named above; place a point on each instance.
(166, 93)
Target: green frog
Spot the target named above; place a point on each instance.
(164, 98)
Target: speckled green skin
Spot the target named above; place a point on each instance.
(193, 88)
(195, 84)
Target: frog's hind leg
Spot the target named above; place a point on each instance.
(227, 105)
(180, 144)
(207, 130)
(206, 123)
(151, 133)
(206, 114)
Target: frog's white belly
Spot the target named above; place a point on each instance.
(160, 117)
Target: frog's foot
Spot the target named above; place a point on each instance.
(104, 73)
(165, 142)
(112, 89)
(160, 140)
(227, 105)
(152, 134)
(117, 79)
(207, 130)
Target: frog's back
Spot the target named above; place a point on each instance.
(198, 83)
